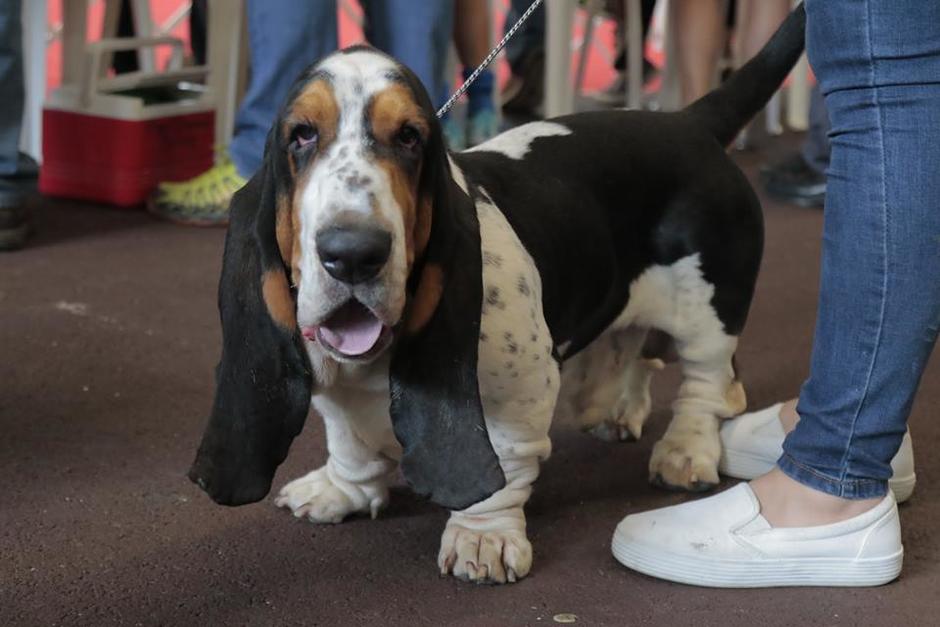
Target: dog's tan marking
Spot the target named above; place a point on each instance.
(422, 230)
(426, 298)
(316, 105)
(284, 228)
(393, 107)
(277, 298)
(404, 190)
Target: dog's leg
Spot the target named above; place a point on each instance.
(363, 455)
(519, 381)
(687, 455)
(487, 541)
(609, 385)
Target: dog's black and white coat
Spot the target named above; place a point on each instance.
(426, 302)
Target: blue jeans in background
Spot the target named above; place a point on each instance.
(12, 90)
(529, 38)
(285, 36)
(816, 146)
(878, 63)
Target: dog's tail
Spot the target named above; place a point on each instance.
(728, 108)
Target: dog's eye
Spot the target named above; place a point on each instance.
(408, 137)
(304, 135)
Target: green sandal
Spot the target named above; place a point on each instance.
(200, 201)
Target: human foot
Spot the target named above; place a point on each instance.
(726, 541)
(785, 502)
(753, 442)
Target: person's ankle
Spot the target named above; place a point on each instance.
(786, 502)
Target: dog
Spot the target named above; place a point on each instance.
(424, 302)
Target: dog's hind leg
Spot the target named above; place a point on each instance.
(687, 455)
(607, 385)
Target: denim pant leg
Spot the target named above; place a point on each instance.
(879, 306)
(12, 91)
(417, 33)
(529, 37)
(816, 145)
(285, 37)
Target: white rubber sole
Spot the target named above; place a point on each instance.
(744, 465)
(830, 571)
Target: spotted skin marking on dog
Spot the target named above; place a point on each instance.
(492, 259)
(494, 298)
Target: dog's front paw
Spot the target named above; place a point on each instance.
(496, 556)
(686, 460)
(320, 499)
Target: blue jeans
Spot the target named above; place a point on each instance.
(12, 91)
(530, 36)
(878, 62)
(286, 36)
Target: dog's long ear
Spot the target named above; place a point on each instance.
(435, 397)
(263, 381)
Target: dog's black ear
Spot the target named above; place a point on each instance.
(263, 381)
(435, 397)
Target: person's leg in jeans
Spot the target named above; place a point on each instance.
(878, 63)
(11, 83)
(417, 33)
(473, 34)
(525, 53)
(529, 38)
(879, 306)
(284, 37)
(17, 172)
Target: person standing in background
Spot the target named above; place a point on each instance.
(18, 171)
(284, 37)
(472, 23)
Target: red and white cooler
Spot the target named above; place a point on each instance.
(111, 139)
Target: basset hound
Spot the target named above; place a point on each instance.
(436, 309)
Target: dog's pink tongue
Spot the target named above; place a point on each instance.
(352, 331)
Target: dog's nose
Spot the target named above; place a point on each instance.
(353, 254)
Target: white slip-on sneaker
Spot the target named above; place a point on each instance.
(752, 443)
(723, 542)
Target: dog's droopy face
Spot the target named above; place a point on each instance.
(354, 135)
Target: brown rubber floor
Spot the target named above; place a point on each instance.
(108, 341)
